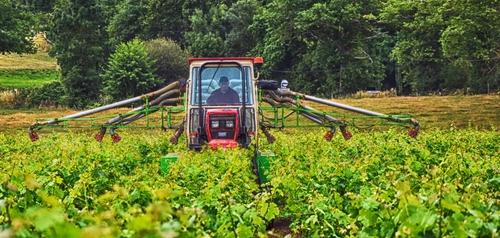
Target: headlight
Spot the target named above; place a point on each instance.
(215, 124)
(229, 124)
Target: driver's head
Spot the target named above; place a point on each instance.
(224, 84)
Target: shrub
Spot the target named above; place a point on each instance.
(170, 59)
(129, 72)
(50, 94)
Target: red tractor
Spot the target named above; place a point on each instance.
(222, 101)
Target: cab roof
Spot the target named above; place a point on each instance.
(255, 60)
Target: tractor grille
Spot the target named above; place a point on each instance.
(223, 130)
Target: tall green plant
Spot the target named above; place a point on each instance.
(128, 22)
(166, 18)
(326, 47)
(16, 25)
(223, 29)
(80, 46)
(445, 43)
(129, 72)
(170, 60)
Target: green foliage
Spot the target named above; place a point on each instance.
(44, 95)
(51, 94)
(240, 40)
(80, 46)
(170, 60)
(166, 19)
(385, 185)
(378, 184)
(16, 28)
(116, 190)
(39, 5)
(205, 40)
(430, 34)
(472, 31)
(223, 29)
(41, 10)
(128, 22)
(327, 46)
(129, 72)
(470, 40)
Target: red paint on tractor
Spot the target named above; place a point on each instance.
(222, 144)
(255, 60)
(218, 137)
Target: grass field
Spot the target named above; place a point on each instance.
(482, 111)
(36, 61)
(27, 70)
(26, 78)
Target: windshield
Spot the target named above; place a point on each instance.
(221, 84)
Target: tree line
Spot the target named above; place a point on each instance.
(327, 48)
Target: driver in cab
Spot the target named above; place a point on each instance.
(224, 94)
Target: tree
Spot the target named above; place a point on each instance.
(166, 19)
(325, 47)
(80, 46)
(16, 28)
(223, 30)
(206, 38)
(240, 40)
(431, 34)
(471, 40)
(129, 21)
(170, 60)
(39, 5)
(129, 72)
(417, 50)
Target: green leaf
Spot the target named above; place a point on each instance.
(45, 218)
(244, 231)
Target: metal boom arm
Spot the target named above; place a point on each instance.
(290, 99)
(168, 95)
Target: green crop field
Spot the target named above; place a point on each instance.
(381, 183)
(378, 184)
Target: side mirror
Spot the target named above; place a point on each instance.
(268, 84)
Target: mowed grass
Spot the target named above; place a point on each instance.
(481, 112)
(27, 70)
(478, 111)
(36, 61)
(26, 78)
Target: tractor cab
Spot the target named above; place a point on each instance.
(221, 102)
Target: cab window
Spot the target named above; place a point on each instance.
(222, 85)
